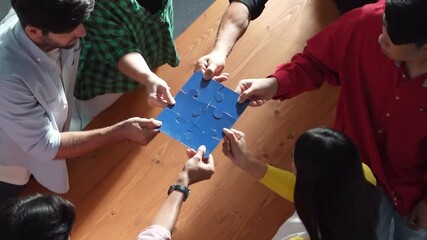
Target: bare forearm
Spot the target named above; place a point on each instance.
(168, 213)
(133, 65)
(74, 144)
(233, 25)
(255, 168)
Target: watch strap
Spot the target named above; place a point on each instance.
(180, 188)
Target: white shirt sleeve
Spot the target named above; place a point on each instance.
(155, 232)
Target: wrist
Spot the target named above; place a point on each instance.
(255, 168)
(147, 78)
(118, 131)
(222, 51)
(183, 179)
(185, 191)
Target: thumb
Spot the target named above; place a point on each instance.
(245, 95)
(228, 133)
(169, 98)
(149, 123)
(210, 71)
(200, 152)
(412, 221)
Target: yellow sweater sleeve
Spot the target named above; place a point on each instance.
(283, 182)
(280, 181)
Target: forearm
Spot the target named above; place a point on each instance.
(233, 25)
(280, 181)
(168, 213)
(255, 168)
(75, 144)
(133, 65)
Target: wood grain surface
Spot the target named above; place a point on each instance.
(117, 189)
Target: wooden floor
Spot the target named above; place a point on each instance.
(118, 189)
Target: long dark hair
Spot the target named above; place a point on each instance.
(38, 217)
(332, 196)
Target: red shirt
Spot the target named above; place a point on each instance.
(379, 107)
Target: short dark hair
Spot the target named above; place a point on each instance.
(57, 16)
(46, 217)
(406, 21)
(347, 5)
(332, 196)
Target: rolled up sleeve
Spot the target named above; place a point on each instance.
(27, 122)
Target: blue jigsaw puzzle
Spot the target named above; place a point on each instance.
(202, 110)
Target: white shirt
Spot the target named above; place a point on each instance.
(292, 229)
(34, 107)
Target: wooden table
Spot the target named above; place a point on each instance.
(118, 189)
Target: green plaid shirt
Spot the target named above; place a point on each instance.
(115, 28)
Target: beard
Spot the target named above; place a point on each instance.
(49, 44)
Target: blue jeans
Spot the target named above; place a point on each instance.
(393, 226)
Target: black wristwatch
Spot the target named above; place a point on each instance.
(180, 188)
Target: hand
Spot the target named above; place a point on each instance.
(211, 66)
(234, 147)
(418, 217)
(258, 91)
(196, 168)
(158, 92)
(140, 130)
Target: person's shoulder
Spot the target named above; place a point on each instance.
(256, 7)
(357, 22)
(367, 13)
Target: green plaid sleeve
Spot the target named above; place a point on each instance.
(109, 30)
(114, 29)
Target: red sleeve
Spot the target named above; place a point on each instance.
(327, 54)
(303, 73)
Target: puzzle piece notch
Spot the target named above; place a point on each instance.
(214, 93)
(176, 119)
(205, 109)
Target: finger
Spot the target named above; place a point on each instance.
(200, 152)
(190, 152)
(209, 73)
(149, 135)
(228, 133)
(414, 226)
(149, 123)
(169, 98)
(155, 101)
(226, 145)
(210, 162)
(412, 220)
(245, 95)
(238, 133)
(231, 137)
(221, 78)
(256, 103)
(226, 153)
(240, 87)
(201, 65)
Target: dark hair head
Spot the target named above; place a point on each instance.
(57, 16)
(405, 21)
(38, 217)
(347, 5)
(332, 197)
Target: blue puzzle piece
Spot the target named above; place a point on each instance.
(195, 137)
(214, 93)
(202, 110)
(212, 124)
(178, 118)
